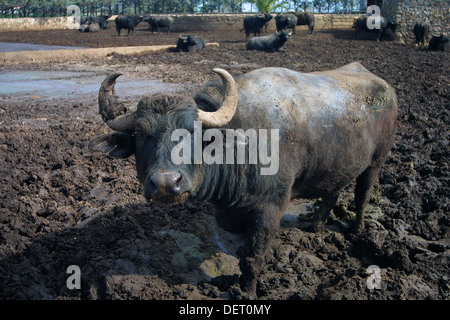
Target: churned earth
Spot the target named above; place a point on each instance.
(63, 205)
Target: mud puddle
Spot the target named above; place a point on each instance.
(17, 86)
(12, 47)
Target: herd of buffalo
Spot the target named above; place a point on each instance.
(257, 24)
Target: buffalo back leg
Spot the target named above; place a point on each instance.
(321, 215)
(364, 184)
(381, 35)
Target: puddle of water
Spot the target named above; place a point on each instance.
(47, 85)
(12, 47)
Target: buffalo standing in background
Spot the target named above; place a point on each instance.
(305, 18)
(439, 43)
(161, 22)
(386, 26)
(328, 129)
(420, 31)
(190, 43)
(127, 22)
(255, 24)
(286, 21)
(271, 43)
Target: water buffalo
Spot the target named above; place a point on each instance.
(440, 43)
(255, 24)
(271, 43)
(160, 22)
(420, 31)
(381, 26)
(190, 43)
(90, 27)
(102, 20)
(324, 130)
(305, 18)
(127, 22)
(286, 21)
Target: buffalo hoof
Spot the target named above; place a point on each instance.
(317, 226)
(236, 293)
(357, 227)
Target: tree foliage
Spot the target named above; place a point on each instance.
(269, 5)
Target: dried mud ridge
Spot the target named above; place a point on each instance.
(62, 205)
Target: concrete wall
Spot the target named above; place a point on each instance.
(435, 13)
(21, 24)
(183, 22)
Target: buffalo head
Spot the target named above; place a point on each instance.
(147, 133)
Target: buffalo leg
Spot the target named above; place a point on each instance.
(364, 184)
(261, 232)
(322, 213)
(381, 35)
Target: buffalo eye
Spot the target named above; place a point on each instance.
(137, 134)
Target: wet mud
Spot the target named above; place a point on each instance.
(63, 205)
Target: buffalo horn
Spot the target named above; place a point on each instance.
(225, 113)
(111, 110)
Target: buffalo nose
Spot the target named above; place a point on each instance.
(167, 182)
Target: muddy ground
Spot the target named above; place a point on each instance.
(62, 205)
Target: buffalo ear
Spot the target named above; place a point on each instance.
(117, 144)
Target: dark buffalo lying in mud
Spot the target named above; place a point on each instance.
(90, 27)
(272, 43)
(102, 20)
(324, 130)
(190, 43)
(439, 43)
(375, 24)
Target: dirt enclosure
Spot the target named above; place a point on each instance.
(62, 205)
